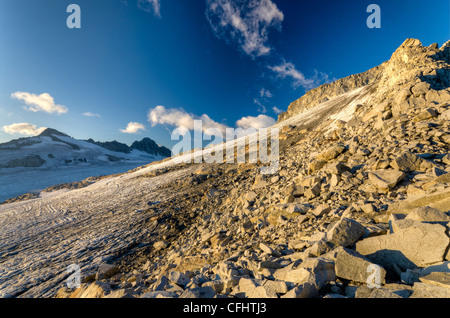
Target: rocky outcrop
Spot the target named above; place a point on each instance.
(414, 76)
(32, 161)
(327, 92)
(149, 146)
(112, 145)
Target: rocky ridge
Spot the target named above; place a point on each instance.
(358, 209)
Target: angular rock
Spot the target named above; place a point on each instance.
(345, 232)
(260, 182)
(385, 180)
(94, 290)
(337, 168)
(368, 208)
(121, 293)
(428, 214)
(160, 294)
(297, 208)
(178, 278)
(316, 165)
(316, 271)
(423, 290)
(217, 285)
(313, 192)
(441, 279)
(160, 245)
(446, 115)
(305, 290)
(385, 293)
(247, 286)
(433, 96)
(352, 266)
(438, 199)
(270, 265)
(331, 153)
(267, 249)
(408, 162)
(106, 271)
(415, 246)
(309, 182)
(335, 179)
(199, 292)
(275, 287)
(427, 114)
(321, 210)
(420, 89)
(412, 276)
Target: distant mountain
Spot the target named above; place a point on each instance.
(146, 145)
(53, 148)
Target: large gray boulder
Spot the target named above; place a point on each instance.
(417, 245)
(408, 162)
(353, 266)
(385, 180)
(316, 271)
(345, 232)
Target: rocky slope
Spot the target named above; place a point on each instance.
(359, 207)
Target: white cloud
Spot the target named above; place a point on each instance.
(150, 5)
(261, 121)
(89, 114)
(276, 110)
(245, 22)
(288, 70)
(261, 108)
(181, 119)
(264, 93)
(23, 129)
(133, 128)
(43, 102)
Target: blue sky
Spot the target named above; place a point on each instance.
(140, 68)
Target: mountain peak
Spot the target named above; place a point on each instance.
(411, 63)
(51, 132)
(150, 146)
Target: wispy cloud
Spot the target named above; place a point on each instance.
(23, 129)
(261, 108)
(133, 128)
(89, 114)
(245, 22)
(288, 70)
(43, 102)
(263, 100)
(150, 6)
(298, 79)
(276, 110)
(248, 23)
(261, 121)
(264, 93)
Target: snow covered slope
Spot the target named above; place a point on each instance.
(32, 164)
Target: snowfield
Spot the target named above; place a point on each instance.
(18, 181)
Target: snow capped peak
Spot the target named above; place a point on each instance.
(50, 131)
